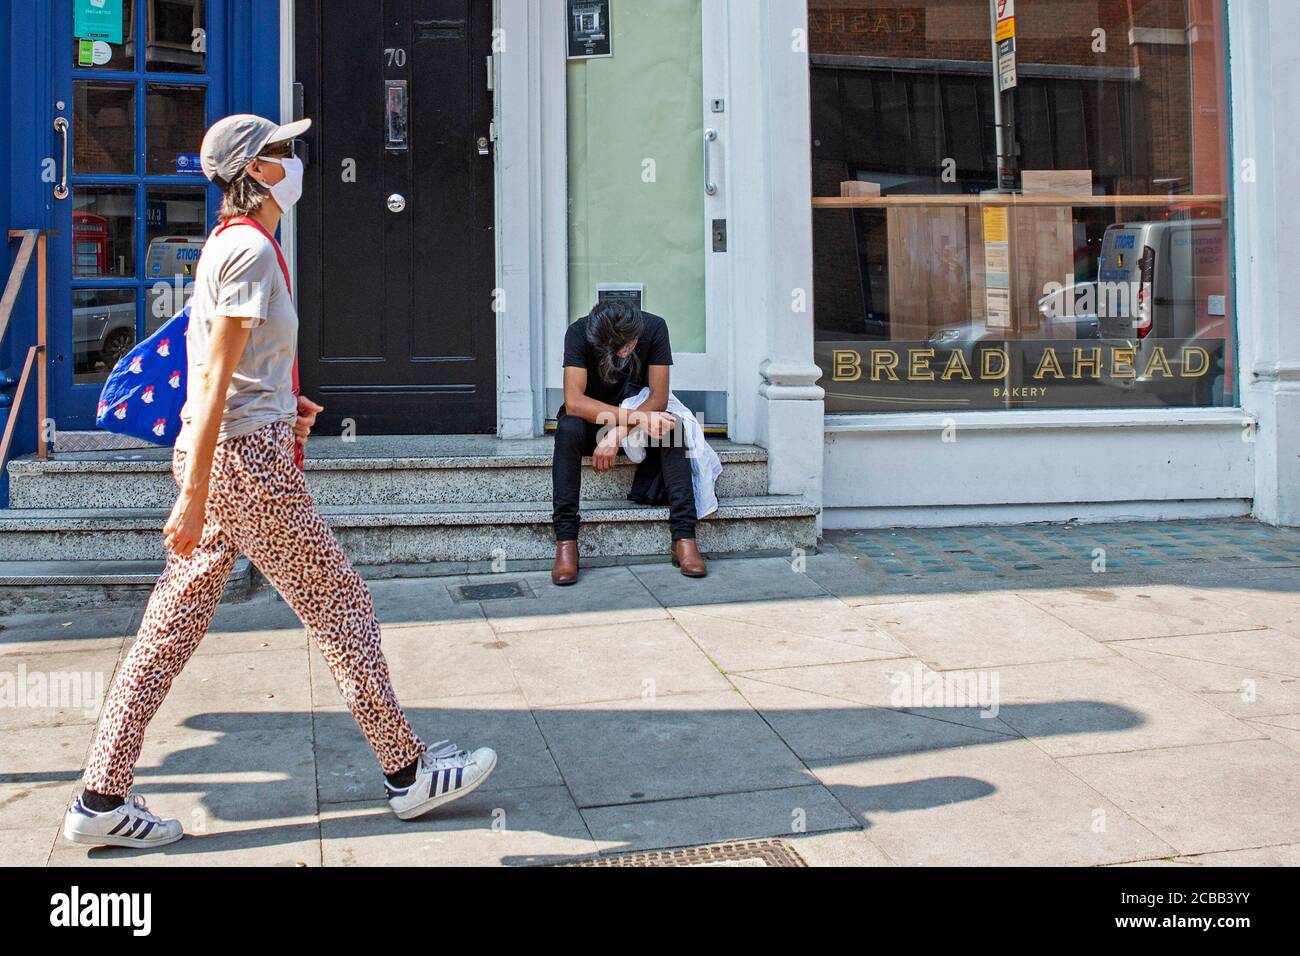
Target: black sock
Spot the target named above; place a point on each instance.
(100, 802)
(406, 776)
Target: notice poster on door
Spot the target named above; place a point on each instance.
(630, 292)
(591, 33)
(98, 20)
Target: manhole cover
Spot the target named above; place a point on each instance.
(496, 591)
(749, 853)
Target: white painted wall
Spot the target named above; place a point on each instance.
(775, 399)
(1018, 466)
(1265, 70)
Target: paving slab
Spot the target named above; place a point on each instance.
(1266, 651)
(79, 631)
(699, 820)
(1220, 796)
(601, 596)
(730, 582)
(1106, 705)
(237, 768)
(737, 646)
(348, 772)
(904, 685)
(1236, 689)
(1287, 855)
(420, 602)
(839, 848)
(854, 581)
(1003, 804)
(25, 847)
(39, 769)
(1269, 599)
(265, 622)
(264, 681)
(488, 828)
(687, 745)
(980, 631)
(1284, 729)
(819, 728)
(463, 659)
(1132, 611)
(615, 662)
(67, 687)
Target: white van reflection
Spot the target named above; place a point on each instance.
(1173, 296)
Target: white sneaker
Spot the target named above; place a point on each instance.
(446, 773)
(131, 824)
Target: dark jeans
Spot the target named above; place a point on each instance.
(575, 439)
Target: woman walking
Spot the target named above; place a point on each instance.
(241, 490)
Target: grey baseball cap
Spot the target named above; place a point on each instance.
(232, 143)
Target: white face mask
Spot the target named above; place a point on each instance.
(289, 189)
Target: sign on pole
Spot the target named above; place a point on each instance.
(1006, 39)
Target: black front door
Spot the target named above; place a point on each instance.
(396, 265)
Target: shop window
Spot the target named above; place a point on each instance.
(1080, 259)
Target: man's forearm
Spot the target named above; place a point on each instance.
(600, 413)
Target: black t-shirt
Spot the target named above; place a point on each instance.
(652, 348)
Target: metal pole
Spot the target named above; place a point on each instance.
(997, 95)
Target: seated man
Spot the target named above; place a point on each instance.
(609, 356)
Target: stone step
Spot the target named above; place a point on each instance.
(388, 472)
(36, 587)
(416, 533)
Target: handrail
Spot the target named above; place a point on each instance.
(16, 276)
(34, 240)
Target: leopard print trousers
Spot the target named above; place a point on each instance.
(258, 504)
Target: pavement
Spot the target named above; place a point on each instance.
(1064, 695)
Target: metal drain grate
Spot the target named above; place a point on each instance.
(748, 853)
(496, 591)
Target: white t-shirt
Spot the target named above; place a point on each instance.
(239, 277)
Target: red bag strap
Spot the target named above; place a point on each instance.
(249, 221)
(288, 283)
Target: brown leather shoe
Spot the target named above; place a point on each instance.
(565, 571)
(686, 555)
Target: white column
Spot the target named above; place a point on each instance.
(1265, 81)
(775, 397)
(514, 111)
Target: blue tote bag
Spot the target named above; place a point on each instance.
(144, 394)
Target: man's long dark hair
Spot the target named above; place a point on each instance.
(613, 325)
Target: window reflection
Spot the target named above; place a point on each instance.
(103, 324)
(174, 124)
(177, 36)
(175, 230)
(103, 231)
(103, 127)
(1082, 261)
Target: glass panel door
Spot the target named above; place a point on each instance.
(136, 208)
(647, 140)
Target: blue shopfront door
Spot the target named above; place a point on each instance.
(135, 83)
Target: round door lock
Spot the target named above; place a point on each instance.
(396, 202)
